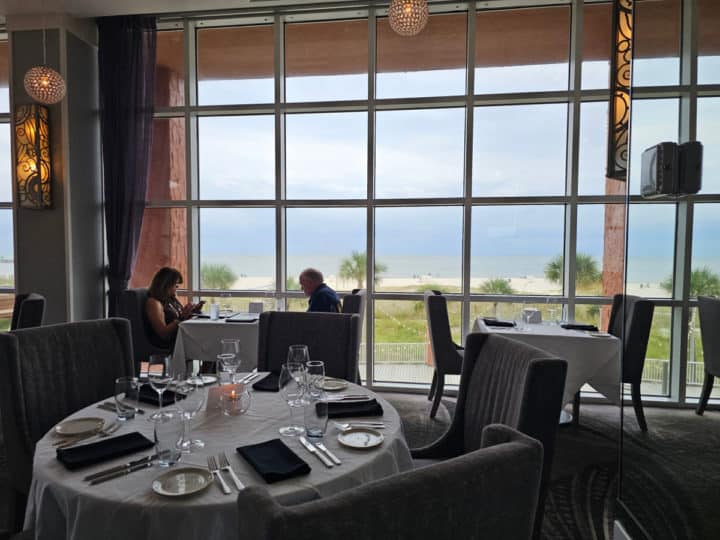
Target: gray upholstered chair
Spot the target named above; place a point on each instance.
(447, 355)
(132, 308)
(49, 372)
(504, 382)
(355, 303)
(490, 493)
(330, 337)
(709, 309)
(28, 311)
(630, 320)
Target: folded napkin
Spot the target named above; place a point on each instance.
(274, 461)
(491, 321)
(102, 450)
(579, 326)
(345, 409)
(269, 383)
(148, 395)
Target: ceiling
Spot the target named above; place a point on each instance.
(98, 8)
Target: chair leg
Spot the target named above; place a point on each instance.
(576, 409)
(438, 394)
(637, 405)
(707, 388)
(433, 386)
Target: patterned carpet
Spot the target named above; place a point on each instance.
(671, 475)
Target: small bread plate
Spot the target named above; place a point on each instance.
(79, 426)
(360, 437)
(332, 384)
(600, 334)
(208, 379)
(182, 482)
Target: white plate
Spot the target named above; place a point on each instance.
(600, 334)
(79, 426)
(361, 437)
(332, 384)
(208, 379)
(181, 482)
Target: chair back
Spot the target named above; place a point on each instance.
(490, 494)
(445, 351)
(709, 309)
(330, 337)
(28, 311)
(132, 308)
(355, 303)
(631, 321)
(49, 372)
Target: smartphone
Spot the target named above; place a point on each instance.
(198, 307)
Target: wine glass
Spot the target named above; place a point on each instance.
(298, 353)
(193, 400)
(159, 376)
(292, 391)
(227, 363)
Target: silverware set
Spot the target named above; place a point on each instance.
(224, 465)
(343, 426)
(320, 451)
(250, 377)
(349, 397)
(120, 470)
(110, 406)
(104, 432)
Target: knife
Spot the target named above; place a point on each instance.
(332, 456)
(118, 474)
(310, 448)
(107, 406)
(122, 467)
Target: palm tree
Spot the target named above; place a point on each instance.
(703, 282)
(497, 286)
(353, 267)
(216, 276)
(586, 270)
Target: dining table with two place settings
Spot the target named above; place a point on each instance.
(63, 506)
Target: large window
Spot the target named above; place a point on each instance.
(469, 159)
(7, 249)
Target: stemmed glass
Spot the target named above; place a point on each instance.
(159, 376)
(298, 353)
(291, 384)
(194, 398)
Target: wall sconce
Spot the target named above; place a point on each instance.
(620, 87)
(32, 154)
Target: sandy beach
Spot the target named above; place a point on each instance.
(524, 285)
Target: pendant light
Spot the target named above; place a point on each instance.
(43, 83)
(408, 17)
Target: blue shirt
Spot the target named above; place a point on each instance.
(324, 299)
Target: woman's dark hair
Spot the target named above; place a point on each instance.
(163, 279)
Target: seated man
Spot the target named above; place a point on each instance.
(322, 297)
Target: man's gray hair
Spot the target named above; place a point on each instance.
(313, 274)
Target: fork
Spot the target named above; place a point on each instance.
(104, 432)
(348, 425)
(215, 470)
(225, 466)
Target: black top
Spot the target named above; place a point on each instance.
(324, 299)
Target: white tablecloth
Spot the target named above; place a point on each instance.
(591, 359)
(199, 339)
(62, 506)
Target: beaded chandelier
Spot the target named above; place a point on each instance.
(43, 83)
(408, 17)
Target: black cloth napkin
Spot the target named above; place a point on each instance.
(579, 326)
(149, 395)
(269, 383)
(344, 409)
(274, 461)
(102, 450)
(491, 321)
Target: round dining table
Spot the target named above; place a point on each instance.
(62, 505)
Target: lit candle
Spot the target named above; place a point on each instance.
(233, 395)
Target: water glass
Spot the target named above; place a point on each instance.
(315, 377)
(126, 396)
(227, 364)
(214, 311)
(169, 430)
(316, 417)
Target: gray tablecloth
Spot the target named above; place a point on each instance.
(199, 339)
(591, 358)
(62, 506)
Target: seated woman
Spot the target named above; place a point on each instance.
(164, 311)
